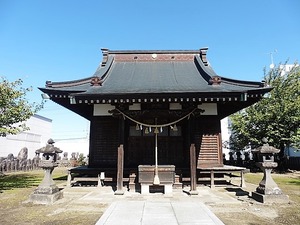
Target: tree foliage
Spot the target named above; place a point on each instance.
(276, 117)
(14, 107)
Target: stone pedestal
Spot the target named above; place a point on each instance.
(47, 192)
(282, 198)
(166, 174)
(144, 189)
(45, 199)
(177, 184)
(268, 191)
(132, 181)
(168, 188)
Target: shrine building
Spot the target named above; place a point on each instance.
(155, 105)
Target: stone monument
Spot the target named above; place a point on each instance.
(65, 156)
(23, 154)
(47, 192)
(22, 158)
(268, 191)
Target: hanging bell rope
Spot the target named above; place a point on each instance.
(156, 125)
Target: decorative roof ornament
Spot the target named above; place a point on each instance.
(96, 81)
(215, 80)
(105, 56)
(48, 83)
(203, 52)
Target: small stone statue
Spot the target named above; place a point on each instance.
(23, 154)
(10, 157)
(65, 156)
(73, 156)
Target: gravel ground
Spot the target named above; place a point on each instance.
(85, 205)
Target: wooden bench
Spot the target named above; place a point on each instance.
(86, 174)
(225, 170)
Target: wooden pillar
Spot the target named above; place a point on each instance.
(69, 180)
(193, 190)
(212, 179)
(243, 184)
(121, 130)
(120, 169)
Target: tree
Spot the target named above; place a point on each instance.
(81, 159)
(276, 117)
(14, 107)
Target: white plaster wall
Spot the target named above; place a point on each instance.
(80, 145)
(225, 133)
(33, 139)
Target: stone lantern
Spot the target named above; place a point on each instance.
(267, 191)
(47, 192)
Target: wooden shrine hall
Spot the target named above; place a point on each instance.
(155, 115)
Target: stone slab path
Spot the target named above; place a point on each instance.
(147, 212)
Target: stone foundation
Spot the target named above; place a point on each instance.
(36, 198)
(280, 198)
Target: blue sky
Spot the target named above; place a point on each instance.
(61, 40)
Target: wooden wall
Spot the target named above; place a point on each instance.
(105, 138)
(207, 137)
(104, 142)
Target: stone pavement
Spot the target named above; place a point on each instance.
(178, 208)
(149, 212)
(132, 208)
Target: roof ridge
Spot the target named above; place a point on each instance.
(68, 83)
(157, 51)
(242, 82)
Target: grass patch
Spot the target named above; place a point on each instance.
(28, 179)
(8, 182)
(16, 188)
(290, 185)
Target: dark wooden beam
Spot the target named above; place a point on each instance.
(193, 190)
(120, 169)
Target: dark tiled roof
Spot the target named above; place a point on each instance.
(154, 72)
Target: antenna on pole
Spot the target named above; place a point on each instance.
(272, 65)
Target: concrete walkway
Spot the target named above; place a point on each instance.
(133, 208)
(149, 212)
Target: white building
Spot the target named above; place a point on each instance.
(285, 69)
(76, 145)
(33, 139)
(225, 132)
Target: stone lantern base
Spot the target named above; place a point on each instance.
(268, 191)
(273, 198)
(47, 192)
(46, 199)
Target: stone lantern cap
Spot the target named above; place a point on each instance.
(266, 153)
(49, 148)
(266, 149)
